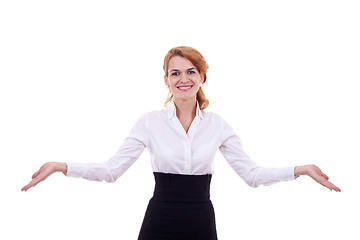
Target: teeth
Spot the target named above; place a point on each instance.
(184, 87)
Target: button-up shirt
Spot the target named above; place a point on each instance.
(173, 150)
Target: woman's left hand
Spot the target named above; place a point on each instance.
(315, 173)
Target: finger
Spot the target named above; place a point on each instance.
(327, 184)
(25, 188)
(324, 175)
(318, 177)
(42, 169)
(34, 182)
(319, 172)
(336, 188)
(36, 174)
(29, 185)
(331, 186)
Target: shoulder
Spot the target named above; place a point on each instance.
(211, 116)
(214, 120)
(218, 120)
(155, 115)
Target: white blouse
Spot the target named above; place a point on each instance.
(172, 150)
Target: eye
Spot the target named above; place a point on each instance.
(175, 74)
(191, 72)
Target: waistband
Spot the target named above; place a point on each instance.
(180, 188)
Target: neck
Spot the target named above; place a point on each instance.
(185, 108)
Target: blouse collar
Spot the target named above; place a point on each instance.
(171, 110)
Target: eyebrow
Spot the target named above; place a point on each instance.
(175, 70)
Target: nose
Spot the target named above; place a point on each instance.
(184, 78)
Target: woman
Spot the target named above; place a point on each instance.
(182, 140)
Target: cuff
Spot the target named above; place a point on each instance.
(76, 170)
(289, 174)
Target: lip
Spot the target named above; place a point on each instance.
(185, 87)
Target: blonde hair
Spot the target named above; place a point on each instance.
(195, 57)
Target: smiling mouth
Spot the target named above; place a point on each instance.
(184, 88)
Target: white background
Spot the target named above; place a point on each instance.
(76, 75)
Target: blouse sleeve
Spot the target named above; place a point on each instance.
(112, 169)
(252, 174)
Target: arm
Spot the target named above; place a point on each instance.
(110, 170)
(254, 175)
(315, 173)
(248, 170)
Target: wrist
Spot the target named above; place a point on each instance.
(298, 170)
(62, 167)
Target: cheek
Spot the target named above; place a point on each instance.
(197, 80)
(172, 81)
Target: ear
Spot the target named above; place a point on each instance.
(166, 80)
(203, 78)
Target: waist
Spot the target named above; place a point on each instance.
(182, 188)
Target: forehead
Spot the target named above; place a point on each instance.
(179, 63)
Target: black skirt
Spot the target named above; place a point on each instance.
(180, 209)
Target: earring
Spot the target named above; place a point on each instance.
(201, 84)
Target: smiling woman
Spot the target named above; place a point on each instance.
(182, 140)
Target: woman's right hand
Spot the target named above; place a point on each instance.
(46, 170)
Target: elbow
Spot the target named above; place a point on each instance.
(111, 174)
(110, 181)
(110, 178)
(252, 184)
(252, 177)
(251, 181)
(100, 178)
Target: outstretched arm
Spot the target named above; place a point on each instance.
(315, 173)
(45, 171)
(110, 170)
